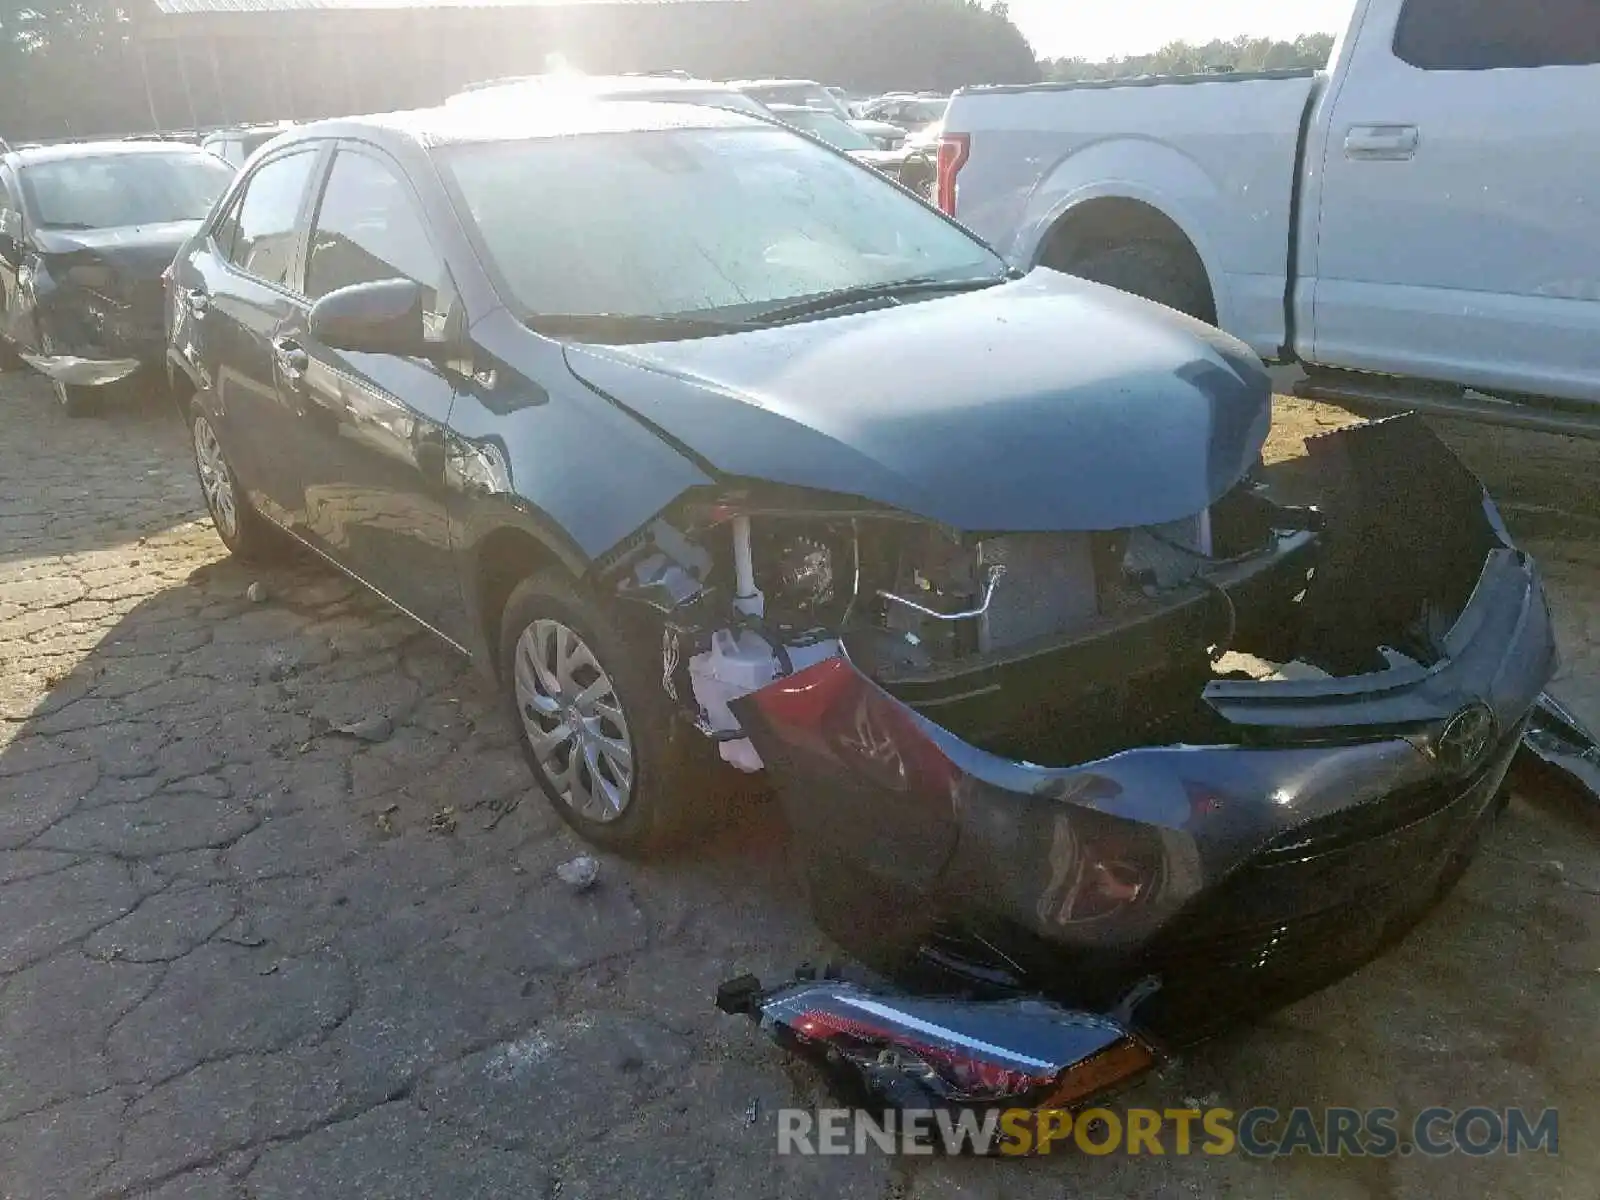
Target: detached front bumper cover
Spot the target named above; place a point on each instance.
(76, 371)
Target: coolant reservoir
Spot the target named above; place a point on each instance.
(734, 666)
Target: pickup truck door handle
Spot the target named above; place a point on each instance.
(198, 300)
(291, 358)
(1382, 142)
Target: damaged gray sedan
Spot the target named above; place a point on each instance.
(709, 443)
(86, 231)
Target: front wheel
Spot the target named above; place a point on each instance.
(593, 721)
(245, 532)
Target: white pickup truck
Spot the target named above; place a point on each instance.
(1427, 209)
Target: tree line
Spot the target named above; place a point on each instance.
(73, 69)
(1310, 50)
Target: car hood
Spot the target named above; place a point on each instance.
(1047, 403)
(137, 250)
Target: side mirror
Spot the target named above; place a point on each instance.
(10, 236)
(374, 318)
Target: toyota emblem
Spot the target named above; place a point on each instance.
(1465, 739)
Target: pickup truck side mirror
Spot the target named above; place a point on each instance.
(374, 318)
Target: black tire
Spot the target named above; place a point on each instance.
(669, 758)
(1153, 270)
(75, 400)
(248, 535)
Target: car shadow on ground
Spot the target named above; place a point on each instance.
(206, 885)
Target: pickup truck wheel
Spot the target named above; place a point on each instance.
(1150, 269)
(593, 722)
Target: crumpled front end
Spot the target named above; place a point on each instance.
(1236, 755)
(88, 322)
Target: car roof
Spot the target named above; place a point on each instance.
(447, 125)
(233, 131)
(741, 84)
(61, 151)
(611, 85)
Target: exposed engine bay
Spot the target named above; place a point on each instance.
(1055, 648)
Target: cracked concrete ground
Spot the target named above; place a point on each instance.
(242, 956)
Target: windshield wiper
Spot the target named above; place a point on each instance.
(608, 327)
(867, 292)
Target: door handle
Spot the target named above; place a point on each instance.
(198, 300)
(1381, 142)
(291, 359)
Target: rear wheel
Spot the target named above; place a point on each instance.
(1151, 269)
(245, 532)
(593, 721)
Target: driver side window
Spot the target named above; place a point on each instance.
(259, 231)
(368, 229)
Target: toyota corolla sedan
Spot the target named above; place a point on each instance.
(714, 448)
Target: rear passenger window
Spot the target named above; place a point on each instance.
(259, 235)
(368, 229)
(1483, 35)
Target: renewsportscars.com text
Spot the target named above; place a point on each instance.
(1256, 1132)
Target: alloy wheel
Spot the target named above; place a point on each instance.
(216, 481)
(573, 720)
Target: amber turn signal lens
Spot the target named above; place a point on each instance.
(1118, 1063)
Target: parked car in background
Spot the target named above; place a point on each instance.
(569, 87)
(813, 95)
(708, 442)
(896, 164)
(825, 126)
(235, 145)
(908, 112)
(1417, 212)
(85, 233)
(190, 137)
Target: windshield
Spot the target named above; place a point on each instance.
(827, 127)
(113, 190)
(718, 223)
